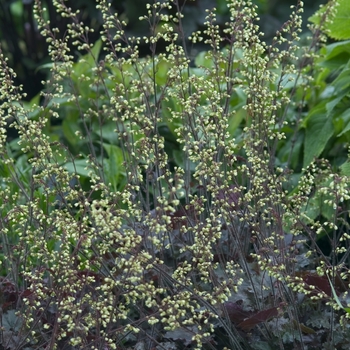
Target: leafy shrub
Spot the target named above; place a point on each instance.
(176, 201)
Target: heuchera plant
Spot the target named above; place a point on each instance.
(175, 201)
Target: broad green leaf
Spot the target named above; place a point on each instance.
(296, 157)
(345, 169)
(335, 49)
(91, 57)
(84, 68)
(291, 151)
(168, 107)
(342, 82)
(122, 73)
(238, 98)
(65, 100)
(113, 166)
(179, 157)
(346, 309)
(113, 150)
(199, 72)
(203, 59)
(46, 66)
(319, 130)
(333, 102)
(97, 48)
(70, 127)
(31, 108)
(4, 170)
(35, 101)
(107, 131)
(346, 118)
(23, 168)
(289, 81)
(79, 167)
(321, 77)
(235, 120)
(338, 28)
(316, 206)
(53, 245)
(162, 72)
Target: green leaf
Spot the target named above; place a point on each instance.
(113, 166)
(60, 101)
(162, 72)
(23, 168)
(316, 205)
(346, 309)
(346, 118)
(90, 58)
(4, 170)
(84, 67)
(179, 157)
(238, 98)
(46, 66)
(52, 245)
(335, 49)
(79, 166)
(342, 82)
(235, 120)
(345, 169)
(199, 72)
(338, 28)
(203, 59)
(69, 128)
(318, 131)
(292, 150)
(107, 131)
(168, 107)
(113, 150)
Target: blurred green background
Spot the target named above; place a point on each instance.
(26, 50)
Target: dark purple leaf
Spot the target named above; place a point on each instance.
(261, 316)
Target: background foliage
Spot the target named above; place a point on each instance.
(162, 194)
(27, 50)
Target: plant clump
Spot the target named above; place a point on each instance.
(181, 200)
